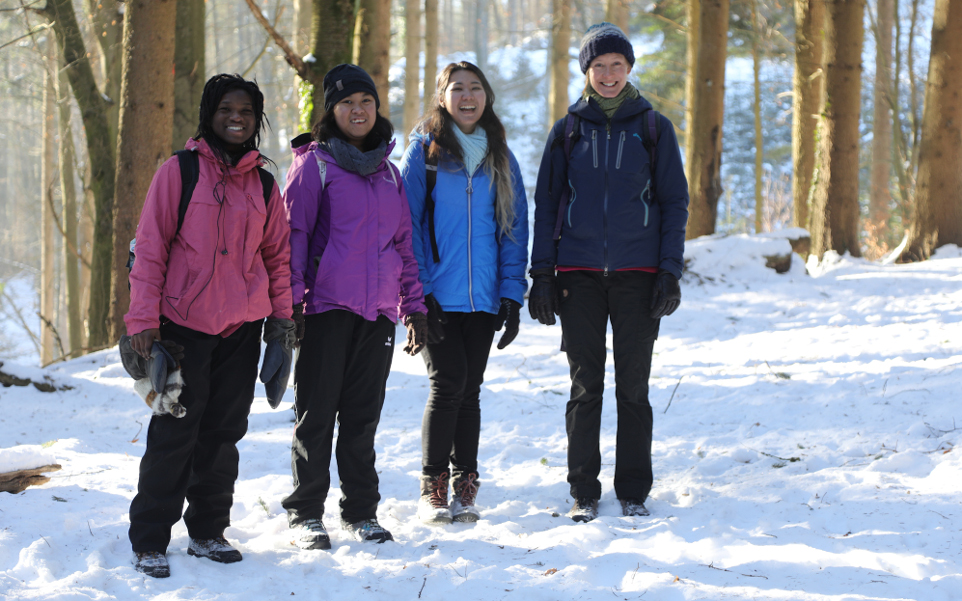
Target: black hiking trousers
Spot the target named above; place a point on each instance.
(195, 457)
(451, 425)
(340, 376)
(588, 300)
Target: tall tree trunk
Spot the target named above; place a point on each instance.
(938, 196)
(430, 50)
(100, 153)
(616, 12)
(189, 69)
(807, 84)
(47, 179)
(373, 46)
(481, 33)
(302, 45)
(880, 195)
(834, 212)
(107, 22)
(146, 123)
(69, 218)
(332, 30)
(558, 100)
(757, 107)
(708, 109)
(693, 13)
(412, 68)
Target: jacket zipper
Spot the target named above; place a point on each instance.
(594, 146)
(607, 147)
(621, 144)
(470, 190)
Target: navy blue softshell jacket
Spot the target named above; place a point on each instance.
(612, 220)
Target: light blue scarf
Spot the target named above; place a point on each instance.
(474, 147)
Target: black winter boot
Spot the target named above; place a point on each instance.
(433, 505)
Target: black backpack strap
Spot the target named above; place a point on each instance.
(267, 183)
(649, 137)
(431, 180)
(571, 132)
(189, 174)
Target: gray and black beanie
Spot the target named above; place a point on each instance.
(344, 80)
(603, 38)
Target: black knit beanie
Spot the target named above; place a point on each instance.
(603, 38)
(344, 80)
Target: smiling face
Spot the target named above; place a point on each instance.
(608, 74)
(234, 121)
(355, 116)
(464, 99)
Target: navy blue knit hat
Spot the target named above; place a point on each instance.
(344, 80)
(602, 39)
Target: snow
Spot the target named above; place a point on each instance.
(808, 452)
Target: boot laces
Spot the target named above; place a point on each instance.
(439, 491)
(467, 490)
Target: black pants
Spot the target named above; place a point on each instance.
(588, 299)
(340, 375)
(452, 417)
(195, 457)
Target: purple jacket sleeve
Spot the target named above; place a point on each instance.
(411, 294)
(301, 199)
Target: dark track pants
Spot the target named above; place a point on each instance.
(452, 417)
(195, 457)
(588, 299)
(340, 375)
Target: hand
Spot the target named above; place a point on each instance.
(417, 325)
(144, 341)
(666, 295)
(282, 330)
(509, 317)
(543, 301)
(436, 320)
(299, 324)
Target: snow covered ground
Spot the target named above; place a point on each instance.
(808, 452)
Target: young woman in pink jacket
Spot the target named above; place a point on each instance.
(207, 287)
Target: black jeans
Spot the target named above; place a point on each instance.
(452, 417)
(195, 457)
(340, 375)
(589, 298)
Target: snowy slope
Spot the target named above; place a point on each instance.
(808, 453)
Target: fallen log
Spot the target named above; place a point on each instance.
(18, 481)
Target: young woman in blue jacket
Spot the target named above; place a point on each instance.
(619, 256)
(470, 240)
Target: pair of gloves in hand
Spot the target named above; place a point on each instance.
(429, 329)
(544, 303)
(158, 378)
(281, 336)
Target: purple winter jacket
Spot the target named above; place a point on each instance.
(350, 242)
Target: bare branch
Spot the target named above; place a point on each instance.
(289, 55)
(53, 329)
(70, 243)
(38, 29)
(278, 11)
(23, 322)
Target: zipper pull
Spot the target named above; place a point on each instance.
(606, 271)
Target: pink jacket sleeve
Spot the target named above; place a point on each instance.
(276, 253)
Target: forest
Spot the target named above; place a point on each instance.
(837, 116)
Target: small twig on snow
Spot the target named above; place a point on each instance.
(422, 586)
(672, 395)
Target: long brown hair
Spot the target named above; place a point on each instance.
(438, 122)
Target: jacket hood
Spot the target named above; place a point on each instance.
(250, 160)
(590, 111)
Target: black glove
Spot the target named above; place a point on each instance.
(280, 336)
(666, 295)
(139, 368)
(509, 317)
(543, 301)
(298, 317)
(417, 325)
(436, 319)
(134, 364)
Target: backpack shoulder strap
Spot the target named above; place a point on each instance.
(649, 138)
(189, 174)
(572, 123)
(431, 180)
(267, 183)
(321, 169)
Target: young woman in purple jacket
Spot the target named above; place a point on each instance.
(353, 273)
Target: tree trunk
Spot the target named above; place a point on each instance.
(481, 33)
(430, 51)
(373, 46)
(302, 45)
(47, 178)
(691, 62)
(558, 100)
(880, 196)
(107, 22)
(189, 69)
(412, 68)
(100, 152)
(146, 123)
(938, 196)
(69, 218)
(708, 109)
(616, 12)
(808, 84)
(834, 212)
(332, 30)
(757, 106)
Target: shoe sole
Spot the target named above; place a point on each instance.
(234, 559)
(323, 544)
(465, 518)
(153, 574)
(436, 521)
(637, 514)
(582, 519)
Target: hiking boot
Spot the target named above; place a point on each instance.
(152, 563)
(216, 549)
(633, 507)
(367, 531)
(584, 509)
(462, 503)
(433, 505)
(311, 534)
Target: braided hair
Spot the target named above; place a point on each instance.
(214, 90)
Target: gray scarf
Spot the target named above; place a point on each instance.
(351, 159)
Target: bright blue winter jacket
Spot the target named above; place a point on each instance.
(612, 220)
(480, 264)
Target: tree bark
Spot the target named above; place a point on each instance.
(100, 152)
(332, 28)
(708, 109)
(558, 100)
(373, 46)
(69, 217)
(616, 12)
(880, 196)
(107, 23)
(189, 69)
(834, 212)
(938, 196)
(430, 51)
(47, 179)
(412, 68)
(807, 84)
(146, 125)
(757, 107)
(18, 481)
(691, 61)
(481, 33)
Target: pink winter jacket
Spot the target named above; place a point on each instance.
(229, 265)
